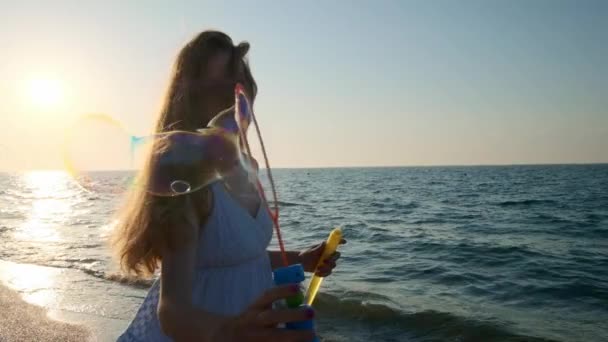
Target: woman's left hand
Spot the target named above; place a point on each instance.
(310, 257)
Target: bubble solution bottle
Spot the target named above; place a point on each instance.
(294, 274)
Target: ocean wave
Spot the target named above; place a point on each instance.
(474, 253)
(115, 277)
(526, 202)
(380, 237)
(87, 266)
(85, 246)
(596, 218)
(22, 195)
(544, 218)
(388, 204)
(285, 204)
(600, 232)
(11, 215)
(366, 308)
(468, 195)
(382, 221)
(77, 260)
(572, 290)
(428, 220)
(467, 250)
(119, 278)
(81, 222)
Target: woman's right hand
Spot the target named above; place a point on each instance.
(259, 322)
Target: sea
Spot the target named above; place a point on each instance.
(477, 253)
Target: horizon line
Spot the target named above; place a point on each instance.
(355, 166)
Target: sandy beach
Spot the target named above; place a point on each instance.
(46, 297)
(21, 321)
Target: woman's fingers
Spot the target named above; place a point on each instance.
(292, 335)
(328, 265)
(285, 335)
(332, 259)
(280, 292)
(260, 321)
(323, 273)
(326, 268)
(274, 317)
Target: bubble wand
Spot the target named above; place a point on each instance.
(288, 274)
(333, 241)
(244, 114)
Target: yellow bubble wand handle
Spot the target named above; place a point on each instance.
(331, 245)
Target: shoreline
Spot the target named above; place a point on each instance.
(22, 321)
(45, 297)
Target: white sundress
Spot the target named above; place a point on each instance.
(233, 266)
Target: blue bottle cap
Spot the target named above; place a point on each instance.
(292, 274)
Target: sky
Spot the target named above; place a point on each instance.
(342, 83)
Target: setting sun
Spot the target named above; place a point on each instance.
(44, 92)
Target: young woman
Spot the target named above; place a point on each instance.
(211, 245)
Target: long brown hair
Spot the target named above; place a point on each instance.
(149, 224)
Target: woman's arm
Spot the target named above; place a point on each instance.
(178, 318)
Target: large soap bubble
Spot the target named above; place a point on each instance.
(167, 164)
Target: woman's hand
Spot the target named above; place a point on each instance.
(310, 257)
(259, 322)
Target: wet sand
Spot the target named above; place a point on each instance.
(21, 321)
